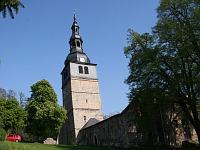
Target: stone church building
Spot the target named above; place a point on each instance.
(85, 125)
(80, 89)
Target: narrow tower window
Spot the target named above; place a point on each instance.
(80, 68)
(86, 70)
(84, 118)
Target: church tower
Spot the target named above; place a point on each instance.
(80, 89)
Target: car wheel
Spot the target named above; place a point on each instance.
(16, 141)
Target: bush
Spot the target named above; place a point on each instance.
(29, 138)
(2, 134)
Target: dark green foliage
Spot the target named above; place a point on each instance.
(42, 91)
(1, 118)
(168, 60)
(45, 116)
(10, 6)
(2, 134)
(12, 116)
(45, 119)
(1, 121)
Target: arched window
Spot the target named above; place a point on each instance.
(78, 44)
(80, 68)
(86, 70)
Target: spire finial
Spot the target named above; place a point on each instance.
(74, 15)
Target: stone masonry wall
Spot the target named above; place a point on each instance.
(121, 131)
(118, 131)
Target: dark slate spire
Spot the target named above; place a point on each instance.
(75, 40)
(76, 50)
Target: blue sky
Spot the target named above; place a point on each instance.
(34, 45)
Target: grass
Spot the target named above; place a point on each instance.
(37, 146)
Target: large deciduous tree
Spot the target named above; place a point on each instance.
(42, 91)
(169, 58)
(10, 6)
(12, 116)
(45, 116)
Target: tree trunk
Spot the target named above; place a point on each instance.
(193, 118)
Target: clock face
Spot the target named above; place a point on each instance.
(82, 59)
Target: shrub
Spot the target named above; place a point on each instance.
(2, 134)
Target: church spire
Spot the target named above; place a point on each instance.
(76, 50)
(75, 17)
(75, 40)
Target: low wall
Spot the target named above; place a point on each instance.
(118, 130)
(122, 130)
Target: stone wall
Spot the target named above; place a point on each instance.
(118, 130)
(122, 130)
(106, 133)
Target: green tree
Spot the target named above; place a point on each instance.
(12, 115)
(2, 134)
(1, 120)
(42, 91)
(10, 6)
(149, 118)
(45, 116)
(169, 58)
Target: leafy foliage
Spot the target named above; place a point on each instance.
(45, 116)
(2, 134)
(10, 6)
(168, 60)
(42, 91)
(12, 115)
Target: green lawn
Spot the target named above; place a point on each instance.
(37, 146)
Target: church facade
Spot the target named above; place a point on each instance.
(80, 89)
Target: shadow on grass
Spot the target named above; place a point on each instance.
(74, 147)
(77, 147)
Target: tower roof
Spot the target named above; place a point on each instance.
(76, 45)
